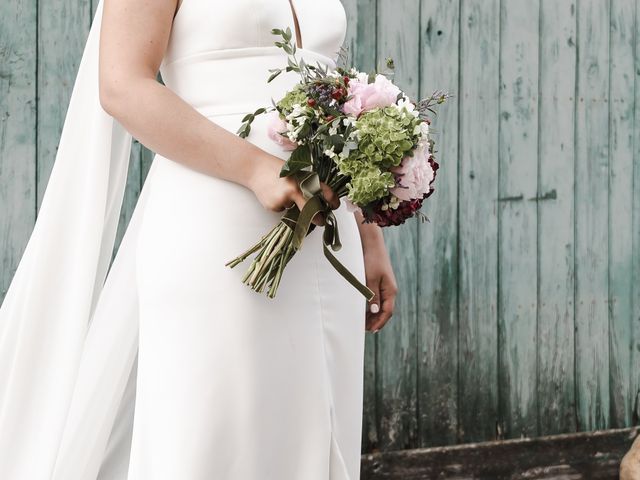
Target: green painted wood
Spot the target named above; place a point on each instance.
(556, 156)
(396, 367)
(18, 54)
(591, 210)
(517, 217)
(478, 219)
(635, 259)
(437, 240)
(361, 43)
(63, 27)
(621, 125)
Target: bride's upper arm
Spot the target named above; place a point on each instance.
(133, 39)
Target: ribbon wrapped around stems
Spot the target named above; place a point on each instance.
(280, 244)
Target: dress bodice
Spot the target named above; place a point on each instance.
(219, 53)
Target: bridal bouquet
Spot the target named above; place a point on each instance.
(359, 134)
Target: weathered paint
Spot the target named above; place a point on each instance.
(478, 205)
(18, 59)
(591, 209)
(437, 241)
(621, 111)
(519, 311)
(556, 156)
(517, 219)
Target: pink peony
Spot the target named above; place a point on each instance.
(367, 96)
(275, 130)
(415, 175)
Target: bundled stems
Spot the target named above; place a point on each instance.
(274, 252)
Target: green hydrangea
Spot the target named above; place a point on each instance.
(369, 185)
(386, 135)
(297, 95)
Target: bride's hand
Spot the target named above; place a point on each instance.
(276, 193)
(378, 273)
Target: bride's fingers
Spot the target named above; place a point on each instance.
(373, 308)
(386, 309)
(330, 196)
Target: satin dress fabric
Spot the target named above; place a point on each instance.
(182, 371)
(232, 384)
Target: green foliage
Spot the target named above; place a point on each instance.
(385, 138)
(369, 184)
(296, 95)
(300, 158)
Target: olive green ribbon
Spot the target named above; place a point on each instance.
(301, 223)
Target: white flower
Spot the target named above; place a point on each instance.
(330, 152)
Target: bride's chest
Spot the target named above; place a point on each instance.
(205, 25)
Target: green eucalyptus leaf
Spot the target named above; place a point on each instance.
(300, 158)
(273, 75)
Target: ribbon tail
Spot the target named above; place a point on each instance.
(348, 276)
(303, 222)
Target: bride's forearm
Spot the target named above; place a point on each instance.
(166, 124)
(370, 234)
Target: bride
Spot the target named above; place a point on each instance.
(165, 366)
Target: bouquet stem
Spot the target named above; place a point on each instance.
(275, 250)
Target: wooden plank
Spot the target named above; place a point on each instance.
(555, 387)
(621, 118)
(517, 217)
(591, 207)
(437, 240)
(361, 42)
(398, 32)
(478, 225)
(635, 260)
(63, 27)
(593, 455)
(17, 132)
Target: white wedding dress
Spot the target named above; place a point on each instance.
(172, 369)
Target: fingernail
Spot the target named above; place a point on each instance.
(374, 308)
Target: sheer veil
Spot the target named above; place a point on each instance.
(68, 339)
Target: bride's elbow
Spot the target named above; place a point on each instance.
(109, 97)
(113, 95)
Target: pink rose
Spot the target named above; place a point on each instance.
(416, 174)
(367, 96)
(275, 128)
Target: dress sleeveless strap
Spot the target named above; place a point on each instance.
(296, 24)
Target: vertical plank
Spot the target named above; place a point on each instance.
(621, 105)
(18, 57)
(591, 208)
(63, 27)
(398, 37)
(478, 223)
(437, 240)
(556, 393)
(361, 42)
(635, 260)
(517, 217)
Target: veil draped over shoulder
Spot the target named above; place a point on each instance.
(68, 340)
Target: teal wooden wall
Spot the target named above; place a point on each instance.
(519, 311)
